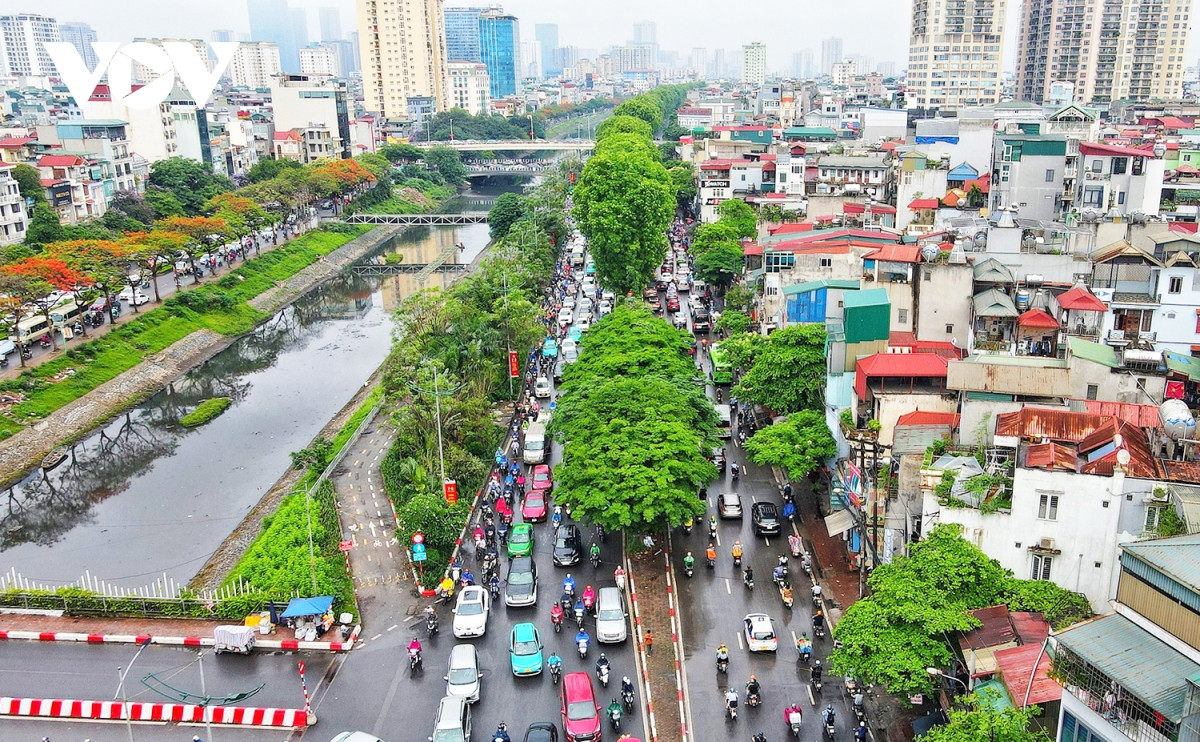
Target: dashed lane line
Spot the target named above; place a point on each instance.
(728, 590)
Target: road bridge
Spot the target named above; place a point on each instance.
(389, 269)
(477, 171)
(511, 145)
(466, 217)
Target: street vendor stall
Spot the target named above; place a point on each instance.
(310, 617)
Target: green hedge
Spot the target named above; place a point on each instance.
(205, 411)
(78, 602)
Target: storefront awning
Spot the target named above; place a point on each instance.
(839, 522)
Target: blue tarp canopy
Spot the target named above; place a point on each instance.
(308, 606)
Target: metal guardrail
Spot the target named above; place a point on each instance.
(466, 217)
(400, 268)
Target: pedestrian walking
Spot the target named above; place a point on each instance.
(649, 640)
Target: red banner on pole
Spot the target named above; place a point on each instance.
(451, 488)
(514, 364)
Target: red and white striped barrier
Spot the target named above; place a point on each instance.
(185, 641)
(168, 712)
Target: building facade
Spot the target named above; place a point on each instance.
(831, 54)
(305, 103)
(462, 33)
(14, 219)
(403, 54)
(22, 36)
(255, 64)
(754, 63)
(319, 60)
(499, 49)
(955, 53)
(470, 88)
(1108, 49)
(81, 36)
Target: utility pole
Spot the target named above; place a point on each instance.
(437, 406)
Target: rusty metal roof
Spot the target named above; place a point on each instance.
(1088, 434)
(1182, 471)
(1031, 627)
(995, 628)
(1051, 456)
(1055, 424)
(1015, 665)
(1141, 415)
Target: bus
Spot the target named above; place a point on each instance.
(722, 367)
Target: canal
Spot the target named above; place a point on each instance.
(143, 496)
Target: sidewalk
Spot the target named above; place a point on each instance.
(653, 599)
(177, 631)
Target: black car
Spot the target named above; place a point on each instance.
(568, 546)
(718, 459)
(520, 589)
(766, 518)
(701, 321)
(541, 731)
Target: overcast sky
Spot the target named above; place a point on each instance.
(875, 28)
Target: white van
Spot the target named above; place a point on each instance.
(724, 421)
(535, 444)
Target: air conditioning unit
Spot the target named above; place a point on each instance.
(1046, 543)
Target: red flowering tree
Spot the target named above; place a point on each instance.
(202, 234)
(148, 252)
(33, 281)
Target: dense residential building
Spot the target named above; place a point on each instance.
(955, 53)
(319, 60)
(754, 63)
(22, 53)
(103, 141)
(462, 33)
(81, 36)
(1028, 174)
(14, 218)
(1109, 50)
(403, 54)
(344, 55)
(255, 64)
(271, 20)
(319, 107)
(499, 49)
(469, 87)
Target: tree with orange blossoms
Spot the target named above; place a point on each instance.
(33, 279)
(203, 233)
(149, 251)
(243, 215)
(104, 261)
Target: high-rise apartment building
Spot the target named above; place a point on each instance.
(330, 21)
(631, 57)
(462, 33)
(403, 54)
(318, 59)
(1109, 49)
(546, 35)
(271, 20)
(345, 53)
(645, 32)
(802, 63)
(831, 54)
(81, 36)
(255, 64)
(145, 74)
(469, 87)
(22, 36)
(499, 49)
(955, 52)
(223, 34)
(754, 63)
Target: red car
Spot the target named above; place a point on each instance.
(672, 303)
(580, 713)
(543, 479)
(535, 507)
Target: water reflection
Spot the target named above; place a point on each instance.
(182, 491)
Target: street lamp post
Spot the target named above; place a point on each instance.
(933, 672)
(121, 688)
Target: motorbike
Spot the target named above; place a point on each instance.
(735, 470)
(818, 603)
(829, 730)
(785, 595)
(414, 660)
(687, 526)
(556, 618)
(595, 560)
(859, 712)
(689, 569)
(737, 559)
(819, 631)
(794, 723)
(602, 675)
(748, 581)
(501, 734)
(3, 361)
(722, 664)
(712, 561)
(730, 711)
(712, 531)
(582, 646)
(796, 546)
(806, 563)
(431, 625)
(579, 616)
(556, 673)
(614, 716)
(753, 700)
(627, 700)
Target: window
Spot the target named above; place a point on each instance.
(1138, 163)
(1175, 285)
(1153, 515)
(1041, 567)
(1093, 391)
(928, 275)
(902, 316)
(1047, 506)
(1120, 165)
(949, 329)
(826, 262)
(1050, 175)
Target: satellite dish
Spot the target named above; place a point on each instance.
(1123, 457)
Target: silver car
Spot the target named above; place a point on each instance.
(463, 678)
(453, 721)
(611, 624)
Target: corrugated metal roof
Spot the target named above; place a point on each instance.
(994, 628)
(1178, 557)
(1141, 415)
(994, 303)
(921, 417)
(1055, 424)
(1051, 456)
(1015, 664)
(1094, 352)
(991, 270)
(1037, 318)
(1031, 627)
(1181, 364)
(993, 694)
(915, 439)
(868, 298)
(1143, 665)
(824, 283)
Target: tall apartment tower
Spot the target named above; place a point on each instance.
(255, 64)
(462, 33)
(402, 46)
(1110, 49)
(21, 39)
(831, 54)
(754, 63)
(500, 50)
(272, 20)
(955, 53)
(330, 22)
(81, 36)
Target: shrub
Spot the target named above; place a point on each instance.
(205, 411)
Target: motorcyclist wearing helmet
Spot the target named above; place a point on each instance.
(817, 670)
(601, 662)
(829, 716)
(752, 687)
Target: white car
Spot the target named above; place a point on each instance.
(462, 676)
(569, 303)
(584, 321)
(760, 632)
(570, 350)
(564, 315)
(471, 612)
(541, 388)
(129, 296)
(609, 297)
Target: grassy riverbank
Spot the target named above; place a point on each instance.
(217, 305)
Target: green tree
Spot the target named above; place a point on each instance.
(448, 162)
(508, 209)
(624, 125)
(684, 184)
(798, 445)
(707, 236)
(29, 182)
(163, 203)
(267, 169)
(643, 109)
(982, 721)
(787, 374)
(734, 322)
(738, 215)
(624, 203)
(720, 265)
(629, 342)
(192, 183)
(134, 206)
(44, 226)
(402, 153)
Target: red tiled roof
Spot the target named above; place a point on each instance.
(889, 146)
(47, 182)
(1172, 122)
(1082, 299)
(823, 247)
(896, 254)
(790, 228)
(752, 249)
(1037, 318)
(1186, 169)
(15, 142)
(1092, 148)
(281, 136)
(1016, 664)
(60, 160)
(901, 365)
(983, 183)
(847, 233)
(717, 164)
(928, 418)
(923, 203)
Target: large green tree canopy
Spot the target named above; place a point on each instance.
(190, 182)
(787, 373)
(624, 125)
(798, 445)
